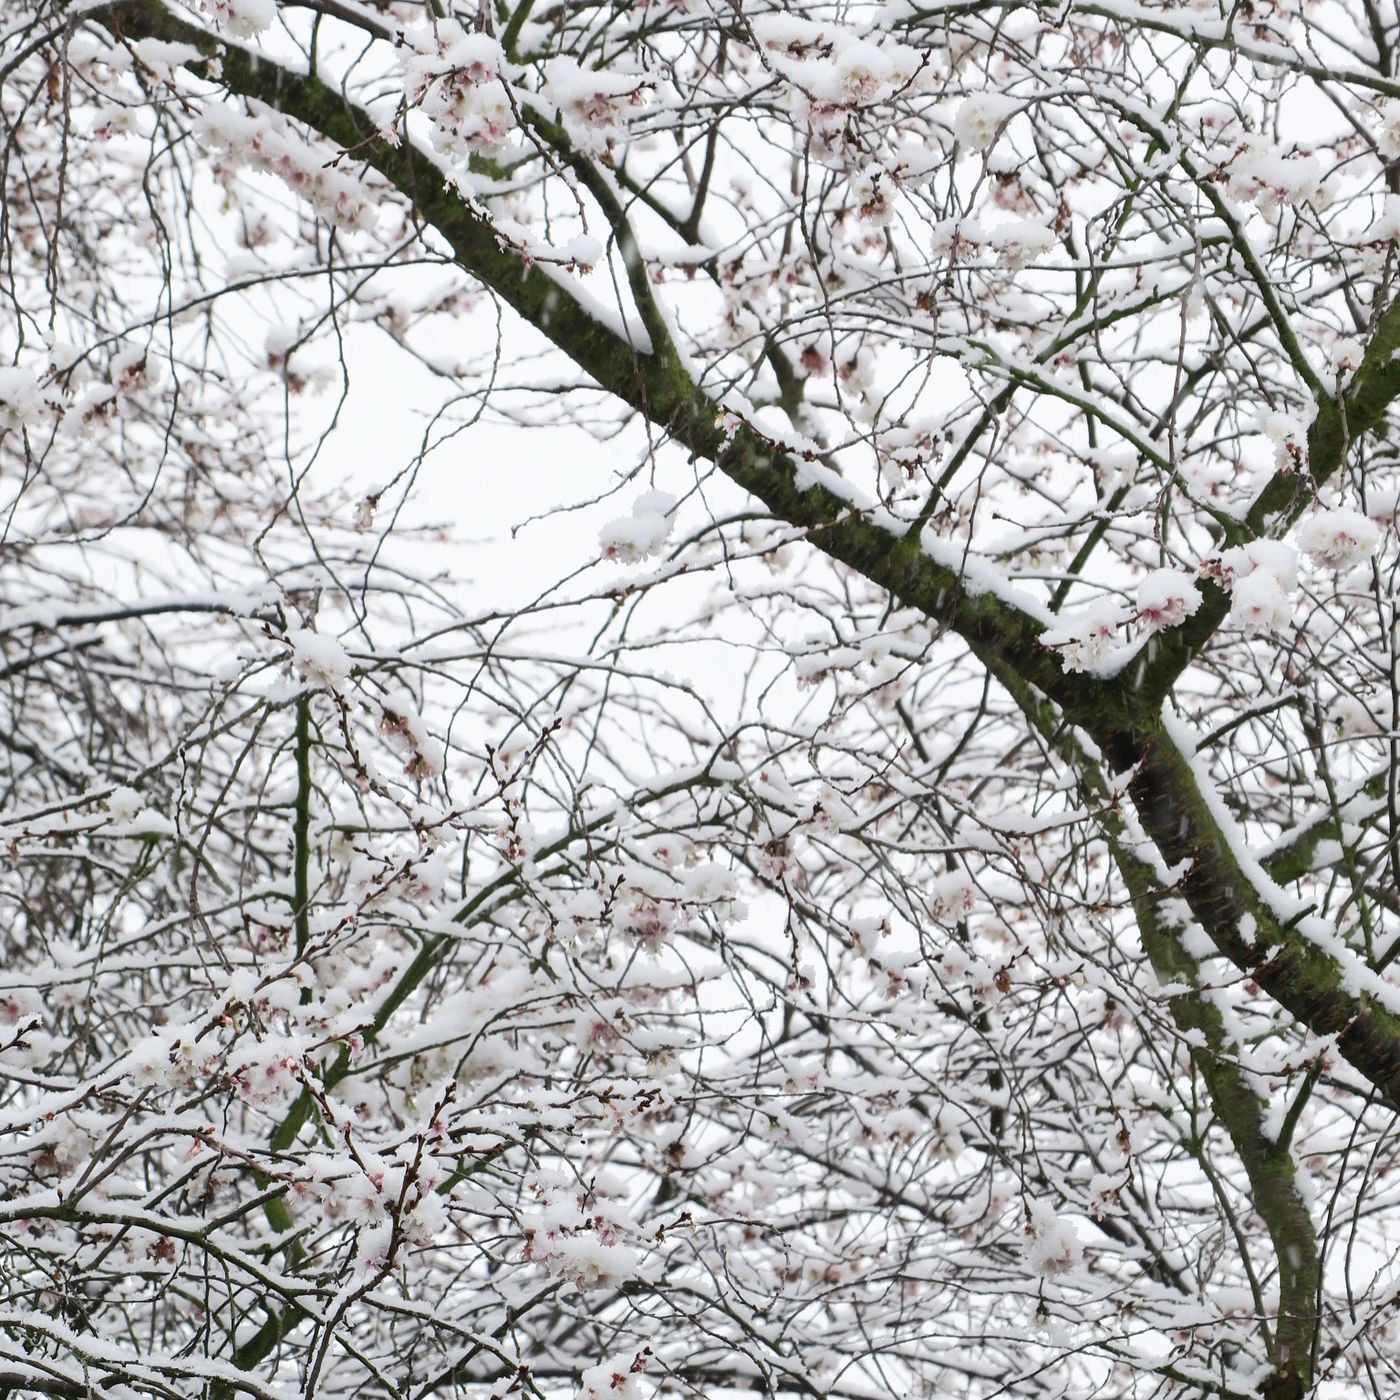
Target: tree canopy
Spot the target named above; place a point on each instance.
(908, 906)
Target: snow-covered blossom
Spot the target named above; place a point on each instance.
(1014, 242)
(578, 1238)
(407, 731)
(1260, 173)
(457, 79)
(1085, 638)
(1261, 577)
(640, 535)
(22, 402)
(319, 658)
(613, 1380)
(268, 143)
(1337, 539)
(1347, 355)
(1290, 440)
(245, 18)
(266, 1072)
(592, 102)
(169, 1058)
(1260, 604)
(1052, 1242)
(867, 73)
(1271, 557)
(1166, 598)
(981, 117)
(951, 897)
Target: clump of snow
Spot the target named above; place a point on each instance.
(583, 250)
(161, 59)
(640, 535)
(1388, 142)
(981, 118)
(1386, 228)
(1166, 598)
(1358, 718)
(1337, 539)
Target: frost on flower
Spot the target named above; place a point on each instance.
(1337, 539)
(1085, 639)
(1052, 1243)
(641, 534)
(981, 117)
(1261, 577)
(1166, 598)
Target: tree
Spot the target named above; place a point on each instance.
(915, 915)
